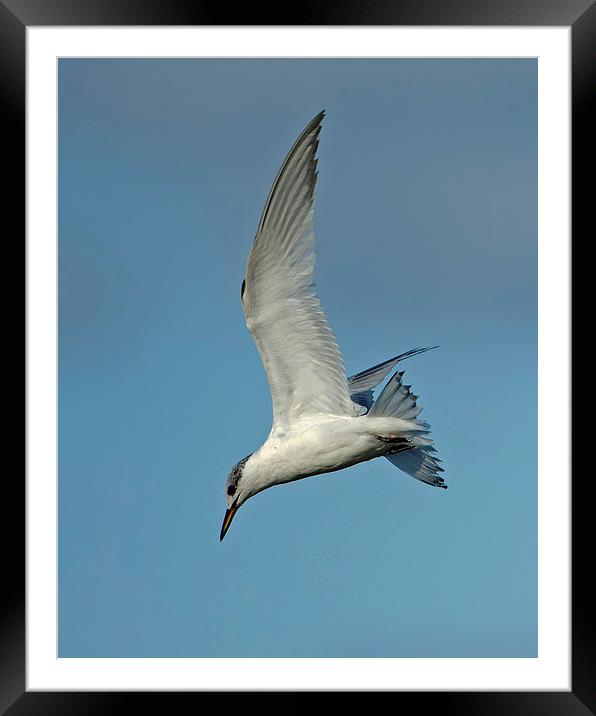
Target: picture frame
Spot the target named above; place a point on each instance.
(15, 17)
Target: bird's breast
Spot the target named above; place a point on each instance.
(312, 449)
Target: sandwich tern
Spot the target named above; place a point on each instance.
(322, 420)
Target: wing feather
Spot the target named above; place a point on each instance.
(302, 359)
(371, 377)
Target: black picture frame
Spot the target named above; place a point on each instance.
(15, 17)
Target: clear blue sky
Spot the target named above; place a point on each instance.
(427, 234)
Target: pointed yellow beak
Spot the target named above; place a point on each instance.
(229, 516)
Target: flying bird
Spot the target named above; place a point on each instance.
(322, 420)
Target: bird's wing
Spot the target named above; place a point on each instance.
(371, 377)
(361, 385)
(283, 313)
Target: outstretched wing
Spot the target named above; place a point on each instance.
(283, 313)
(361, 385)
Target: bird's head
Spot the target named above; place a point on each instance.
(238, 490)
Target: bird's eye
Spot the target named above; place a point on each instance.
(231, 490)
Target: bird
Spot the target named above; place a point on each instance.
(322, 421)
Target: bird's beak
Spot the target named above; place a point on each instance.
(229, 516)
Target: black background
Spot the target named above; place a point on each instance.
(15, 16)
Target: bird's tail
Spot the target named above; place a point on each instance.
(420, 461)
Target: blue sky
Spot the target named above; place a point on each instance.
(426, 234)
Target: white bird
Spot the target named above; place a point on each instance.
(322, 420)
